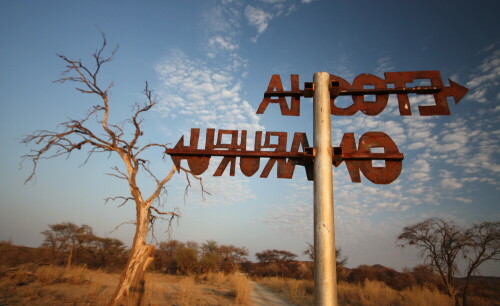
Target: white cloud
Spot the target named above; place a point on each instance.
(420, 170)
(417, 145)
(257, 18)
(207, 96)
(451, 183)
(224, 43)
(384, 65)
(464, 200)
(486, 79)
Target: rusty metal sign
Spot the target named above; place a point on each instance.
(232, 144)
(273, 146)
(394, 83)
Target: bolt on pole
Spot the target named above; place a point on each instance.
(325, 274)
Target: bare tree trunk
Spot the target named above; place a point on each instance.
(453, 294)
(130, 289)
(464, 296)
(70, 257)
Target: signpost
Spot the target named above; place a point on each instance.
(317, 160)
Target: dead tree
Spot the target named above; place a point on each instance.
(121, 139)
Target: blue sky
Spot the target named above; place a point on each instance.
(210, 62)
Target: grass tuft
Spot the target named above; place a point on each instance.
(241, 288)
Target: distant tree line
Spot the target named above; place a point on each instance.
(70, 244)
(443, 245)
(189, 258)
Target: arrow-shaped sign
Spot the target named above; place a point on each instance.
(357, 158)
(368, 84)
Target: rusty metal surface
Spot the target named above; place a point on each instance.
(394, 83)
(275, 85)
(358, 159)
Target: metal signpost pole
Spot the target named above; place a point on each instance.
(325, 275)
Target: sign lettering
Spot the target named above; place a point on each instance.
(394, 83)
(273, 145)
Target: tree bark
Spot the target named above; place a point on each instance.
(464, 296)
(130, 290)
(70, 257)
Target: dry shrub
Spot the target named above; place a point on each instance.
(49, 285)
(216, 278)
(241, 288)
(187, 289)
(301, 292)
(378, 293)
(55, 274)
(18, 276)
(425, 296)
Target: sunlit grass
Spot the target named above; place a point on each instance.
(301, 292)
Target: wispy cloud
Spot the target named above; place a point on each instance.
(487, 77)
(384, 65)
(205, 96)
(258, 18)
(259, 15)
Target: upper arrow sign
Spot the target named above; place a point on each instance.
(368, 84)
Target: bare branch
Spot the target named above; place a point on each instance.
(120, 175)
(160, 185)
(203, 191)
(150, 145)
(170, 213)
(124, 200)
(152, 219)
(119, 225)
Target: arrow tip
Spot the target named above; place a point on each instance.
(457, 91)
(176, 159)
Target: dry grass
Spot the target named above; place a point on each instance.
(239, 285)
(52, 285)
(377, 293)
(215, 277)
(241, 288)
(301, 292)
(187, 290)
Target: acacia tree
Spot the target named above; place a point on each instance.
(231, 257)
(441, 242)
(341, 260)
(122, 139)
(277, 262)
(108, 252)
(483, 244)
(66, 237)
